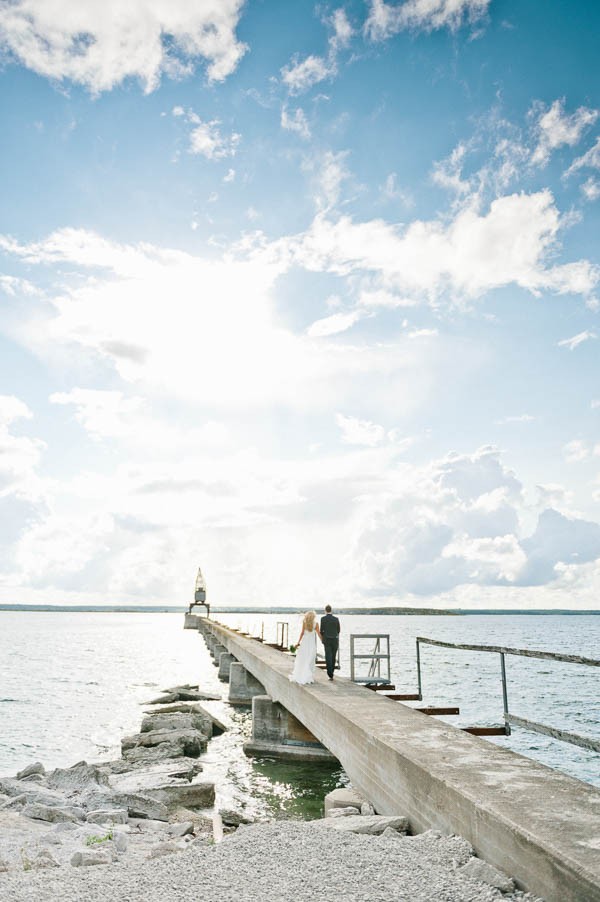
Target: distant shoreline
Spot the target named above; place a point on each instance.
(380, 611)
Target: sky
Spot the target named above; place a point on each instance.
(306, 294)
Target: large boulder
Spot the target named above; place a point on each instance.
(183, 695)
(169, 743)
(188, 795)
(169, 771)
(107, 816)
(199, 720)
(53, 814)
(216, 725)
(36, 768)
(80, 778)
(87, 859)
(32, 791)
(357, 823)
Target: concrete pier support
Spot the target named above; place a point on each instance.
(225, 662)
(278, 734)
(242, 685)
(191, 622)
(216, 651)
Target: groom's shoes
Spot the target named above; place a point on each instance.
(331, 678)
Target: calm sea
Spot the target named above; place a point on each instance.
(72, 684)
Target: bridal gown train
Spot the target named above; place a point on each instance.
(306, 656)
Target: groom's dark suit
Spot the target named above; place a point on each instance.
(330, 631)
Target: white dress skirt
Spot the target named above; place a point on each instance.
(306, 656)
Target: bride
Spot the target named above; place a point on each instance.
(306, 650)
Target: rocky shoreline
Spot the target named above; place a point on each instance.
(143, 827)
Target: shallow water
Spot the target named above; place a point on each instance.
(72, 684)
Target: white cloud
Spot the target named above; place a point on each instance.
(554, 128)
(19, 455)
(100, 44)
(329, 172)
(588, 160)
(359, 432)
(229, 176)
(205, 138)
(595, 404)
(448, 173)
(300, 75)
(576, 340)
(591, 189)
(471, 254)
(101, 413)
(577, 451)
(342, 29)
(296, 122)
(386, 20)
(333, 325)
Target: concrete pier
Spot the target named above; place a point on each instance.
(530, 821)
(242, 685)
(225, 662)
(278, 734)
(216, 652)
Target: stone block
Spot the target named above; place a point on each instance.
(476, 869)
(31, 769)
(372, 825)
(342, 798)
(53, 815)
(107, 816)
(225, 662)
(342, 812)
(242, 685)
(87, 859)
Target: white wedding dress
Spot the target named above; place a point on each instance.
(306, 656)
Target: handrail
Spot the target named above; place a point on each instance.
(563, 735)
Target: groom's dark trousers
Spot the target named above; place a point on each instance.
(330, 631)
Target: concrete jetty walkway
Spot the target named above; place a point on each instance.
(531, 821)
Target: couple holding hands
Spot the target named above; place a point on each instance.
(306, 650)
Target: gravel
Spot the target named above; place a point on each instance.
(281, 862)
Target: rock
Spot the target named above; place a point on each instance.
(165, 848)
(188, 795)
(156, 774)
(34, 778)
(65, 827)
(141, 806)
(168, 743)
(182, 829)
(86, 859)
(344, 797)
(366, 809)
(3, 866)
(33, 792)
(53, 814)
(233, 818)
(44, 859)
(179, 721)
(476, 869)
(77, 779)
(32, 769)
(120, 842)
(389, 831)
(146, 825)
(183, 695)
(14, 804)
(107, 816)
(372, 824)
(342, 812)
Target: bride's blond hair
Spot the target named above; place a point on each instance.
(308, 621)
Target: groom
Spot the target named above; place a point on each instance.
(330, 631)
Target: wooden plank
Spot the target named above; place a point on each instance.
(485, 731)
(434, 711)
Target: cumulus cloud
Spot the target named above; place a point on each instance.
(386, 19)
(555, 128)
(205, 138)
(471, 254)
(100, 43)
(359, 432)
(295, 122)
(19, 454)
(300, 75)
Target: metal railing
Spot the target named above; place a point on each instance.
(375, 658)
(585, 742)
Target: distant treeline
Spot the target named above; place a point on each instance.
(179, 609)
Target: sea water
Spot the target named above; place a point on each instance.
(72, 684)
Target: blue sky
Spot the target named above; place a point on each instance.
(307, 294)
